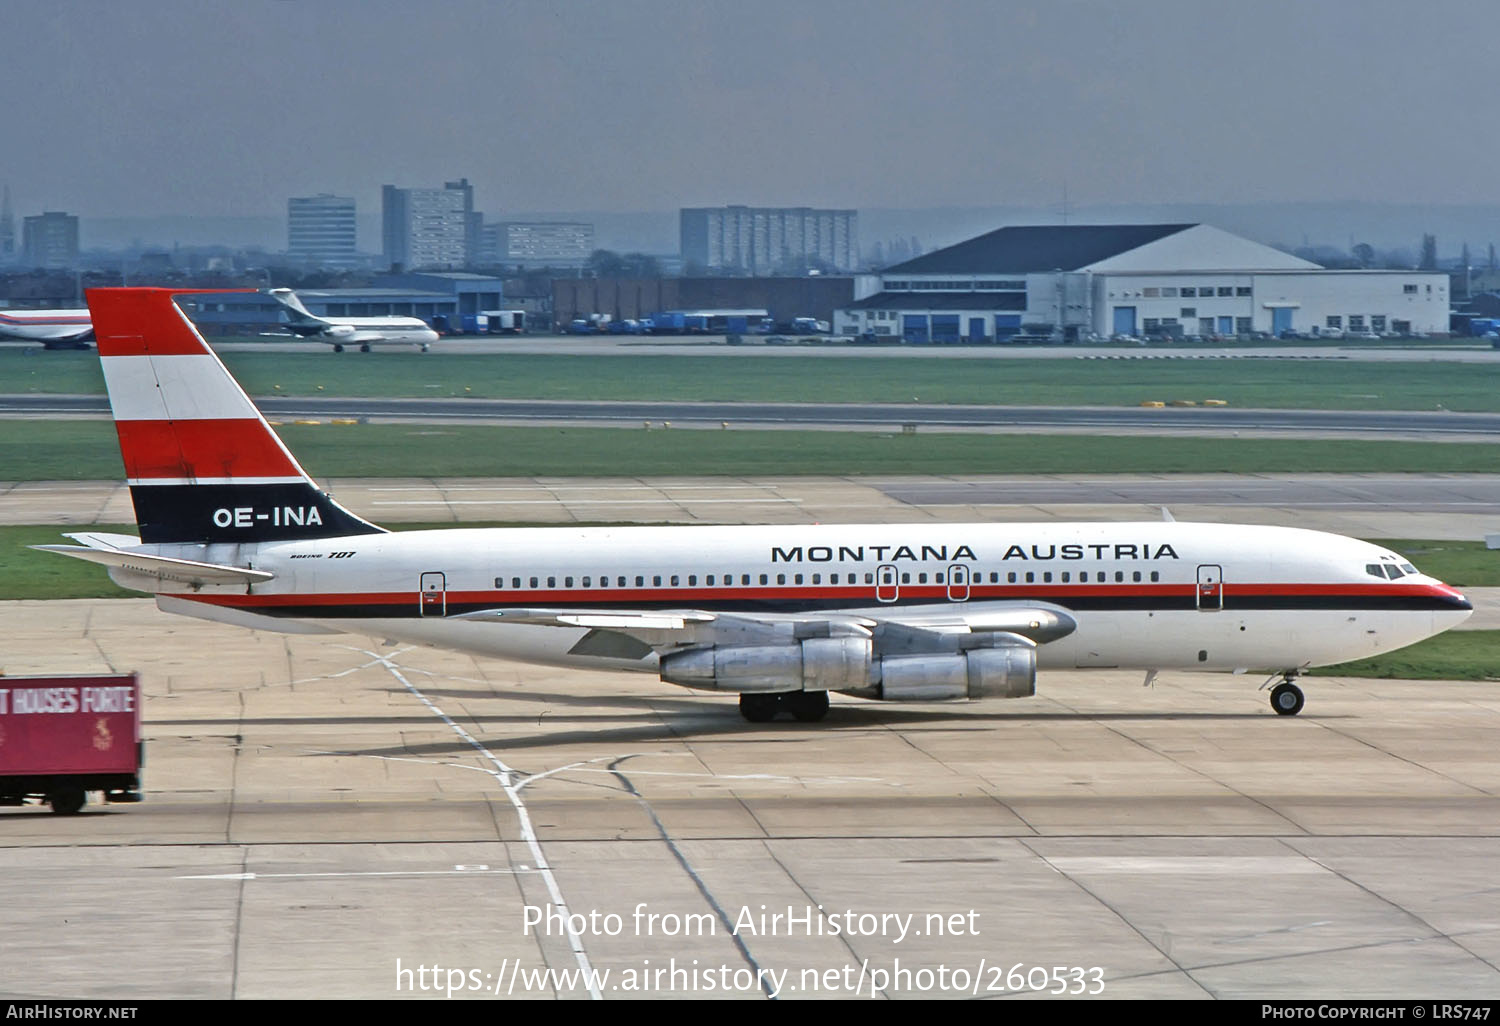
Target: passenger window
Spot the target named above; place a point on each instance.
(938, 578)
(656, 581)
(921, 578)
(869, 578)
(567, 582)
(533, 582)
(797, 579)
(692, 579)
(763, 578)
(640, 582)
(675, 580)
(1065, 577)
(499, 583)
(1155, 575)
(620, 582)
(781, 578)
(552, 582)
(1030, 576)
(709, 580)
(995, 577)
(833, 578)
(1046, 576)
(817, 578)
(1119, 576)
(906, 578)
(1136, 576)
(587, 581)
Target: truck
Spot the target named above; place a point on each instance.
(63, 736)
(506, 322)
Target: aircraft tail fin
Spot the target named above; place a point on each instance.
(292, 303)
(202, 464)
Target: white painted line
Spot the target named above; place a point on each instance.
(578, 488)
(1191, 865)
(664, 500)
(455, 871)
(506, 776)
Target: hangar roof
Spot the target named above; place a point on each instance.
(941, 301)
(1038, 248)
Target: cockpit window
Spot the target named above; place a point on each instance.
(1373, 569)
(1408, 568)
(1392, 571)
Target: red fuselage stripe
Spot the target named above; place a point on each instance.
(861, 594)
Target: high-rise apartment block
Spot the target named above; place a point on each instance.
(539, 243)
(429, 228)
(320, 230)
(769, 240)
(50, 240)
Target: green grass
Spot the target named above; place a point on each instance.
(1318, 384)
(1456, 655)
(1463, 564)
(88, 451)
(28, 574)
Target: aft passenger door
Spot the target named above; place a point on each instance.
(432, 595)
(1210, 588)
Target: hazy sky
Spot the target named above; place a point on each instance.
(204, 107)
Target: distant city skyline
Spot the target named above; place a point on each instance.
(218, 109)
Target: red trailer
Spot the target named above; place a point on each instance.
(63, 736)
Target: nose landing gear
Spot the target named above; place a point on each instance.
(1286, 697)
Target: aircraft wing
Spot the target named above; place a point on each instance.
(114, 551)
(910, 629)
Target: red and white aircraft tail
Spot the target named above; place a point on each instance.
(202, 463)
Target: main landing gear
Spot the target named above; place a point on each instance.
(805, 706)
(1286, 697)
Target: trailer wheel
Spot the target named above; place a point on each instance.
(66, 801)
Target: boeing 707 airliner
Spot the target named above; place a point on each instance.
(232, 529)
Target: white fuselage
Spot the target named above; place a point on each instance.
(1156, 595)
(45, 325)
(367, 331)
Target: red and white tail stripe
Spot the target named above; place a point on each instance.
(181, 416)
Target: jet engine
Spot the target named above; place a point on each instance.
(988, 665)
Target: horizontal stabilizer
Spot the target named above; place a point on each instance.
(182, 571)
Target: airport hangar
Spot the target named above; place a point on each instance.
(441, 298)
(1078, 281)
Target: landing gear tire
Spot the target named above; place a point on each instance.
(426, 348)
(1286, 699)
(759, 708)
(806, 706)
(365, 348)
(338, 348)
(66, 801)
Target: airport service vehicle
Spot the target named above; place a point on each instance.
(232, 529)
(54, 329)
(505, 322)
(365, 332)
(63, 736)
